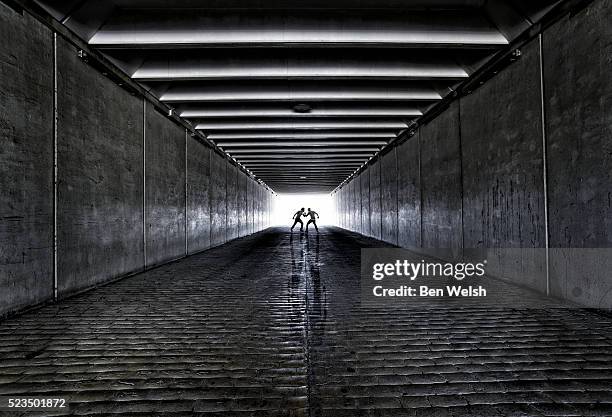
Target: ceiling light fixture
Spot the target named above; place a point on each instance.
(302, 108)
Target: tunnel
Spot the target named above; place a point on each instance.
(317, 208)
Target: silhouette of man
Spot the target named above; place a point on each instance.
(313, 219)
(298, 219)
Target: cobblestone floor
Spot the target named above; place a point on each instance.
(271, 325)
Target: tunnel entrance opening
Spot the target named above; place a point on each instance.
(285, 206)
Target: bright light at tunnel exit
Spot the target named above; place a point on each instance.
(285, 206)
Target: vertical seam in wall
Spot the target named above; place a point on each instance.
(186, 193)
(55, 172)
(461, 188)
(544, 166)
(144, 182)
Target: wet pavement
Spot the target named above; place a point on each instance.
(273, 325)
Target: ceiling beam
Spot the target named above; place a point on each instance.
(299, 91)
(288, 111)
(302, 135)
(306, 151)
(314, 162)
(239, 66)
(306, 175)
(353, 156)
(301, 169)
(303, 4)
(301, 143)
(152, 28)
(302, 125)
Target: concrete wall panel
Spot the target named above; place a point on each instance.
(350, 208)
(256, 207)
(357, 208)
(441, 184)
(165, 189)
(232, 202)
(26, 162)
(388, 183)
(250, 202)
(340, 209)
(348, 201)
(503, 187)
(241, 201)
(578, 92)
(375, 203)
(100, 170)
(261, 208)
(409, 194)
(198, 196)
(364, 178)
(217, 199)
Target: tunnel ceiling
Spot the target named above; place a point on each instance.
(301, 93)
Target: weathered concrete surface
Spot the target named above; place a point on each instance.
(232, 202)
(441, 184)
(364, 178)
(165, 189)
(218, 229)
(198, 196)
(347, 206)
(375, 203)
(409, 194)
(388, 186)
(350, 207)
(26, 162)
(357, 212)
(272, 325)
(100, 176)
(260, 207)
(578, 91)
(338, 203)
(268, 210)
(257, 207)
(342, 202)
(243, 227)
(502, 161)
(250, 205)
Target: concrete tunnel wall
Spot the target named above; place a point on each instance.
(134, 190)
(526, 156)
